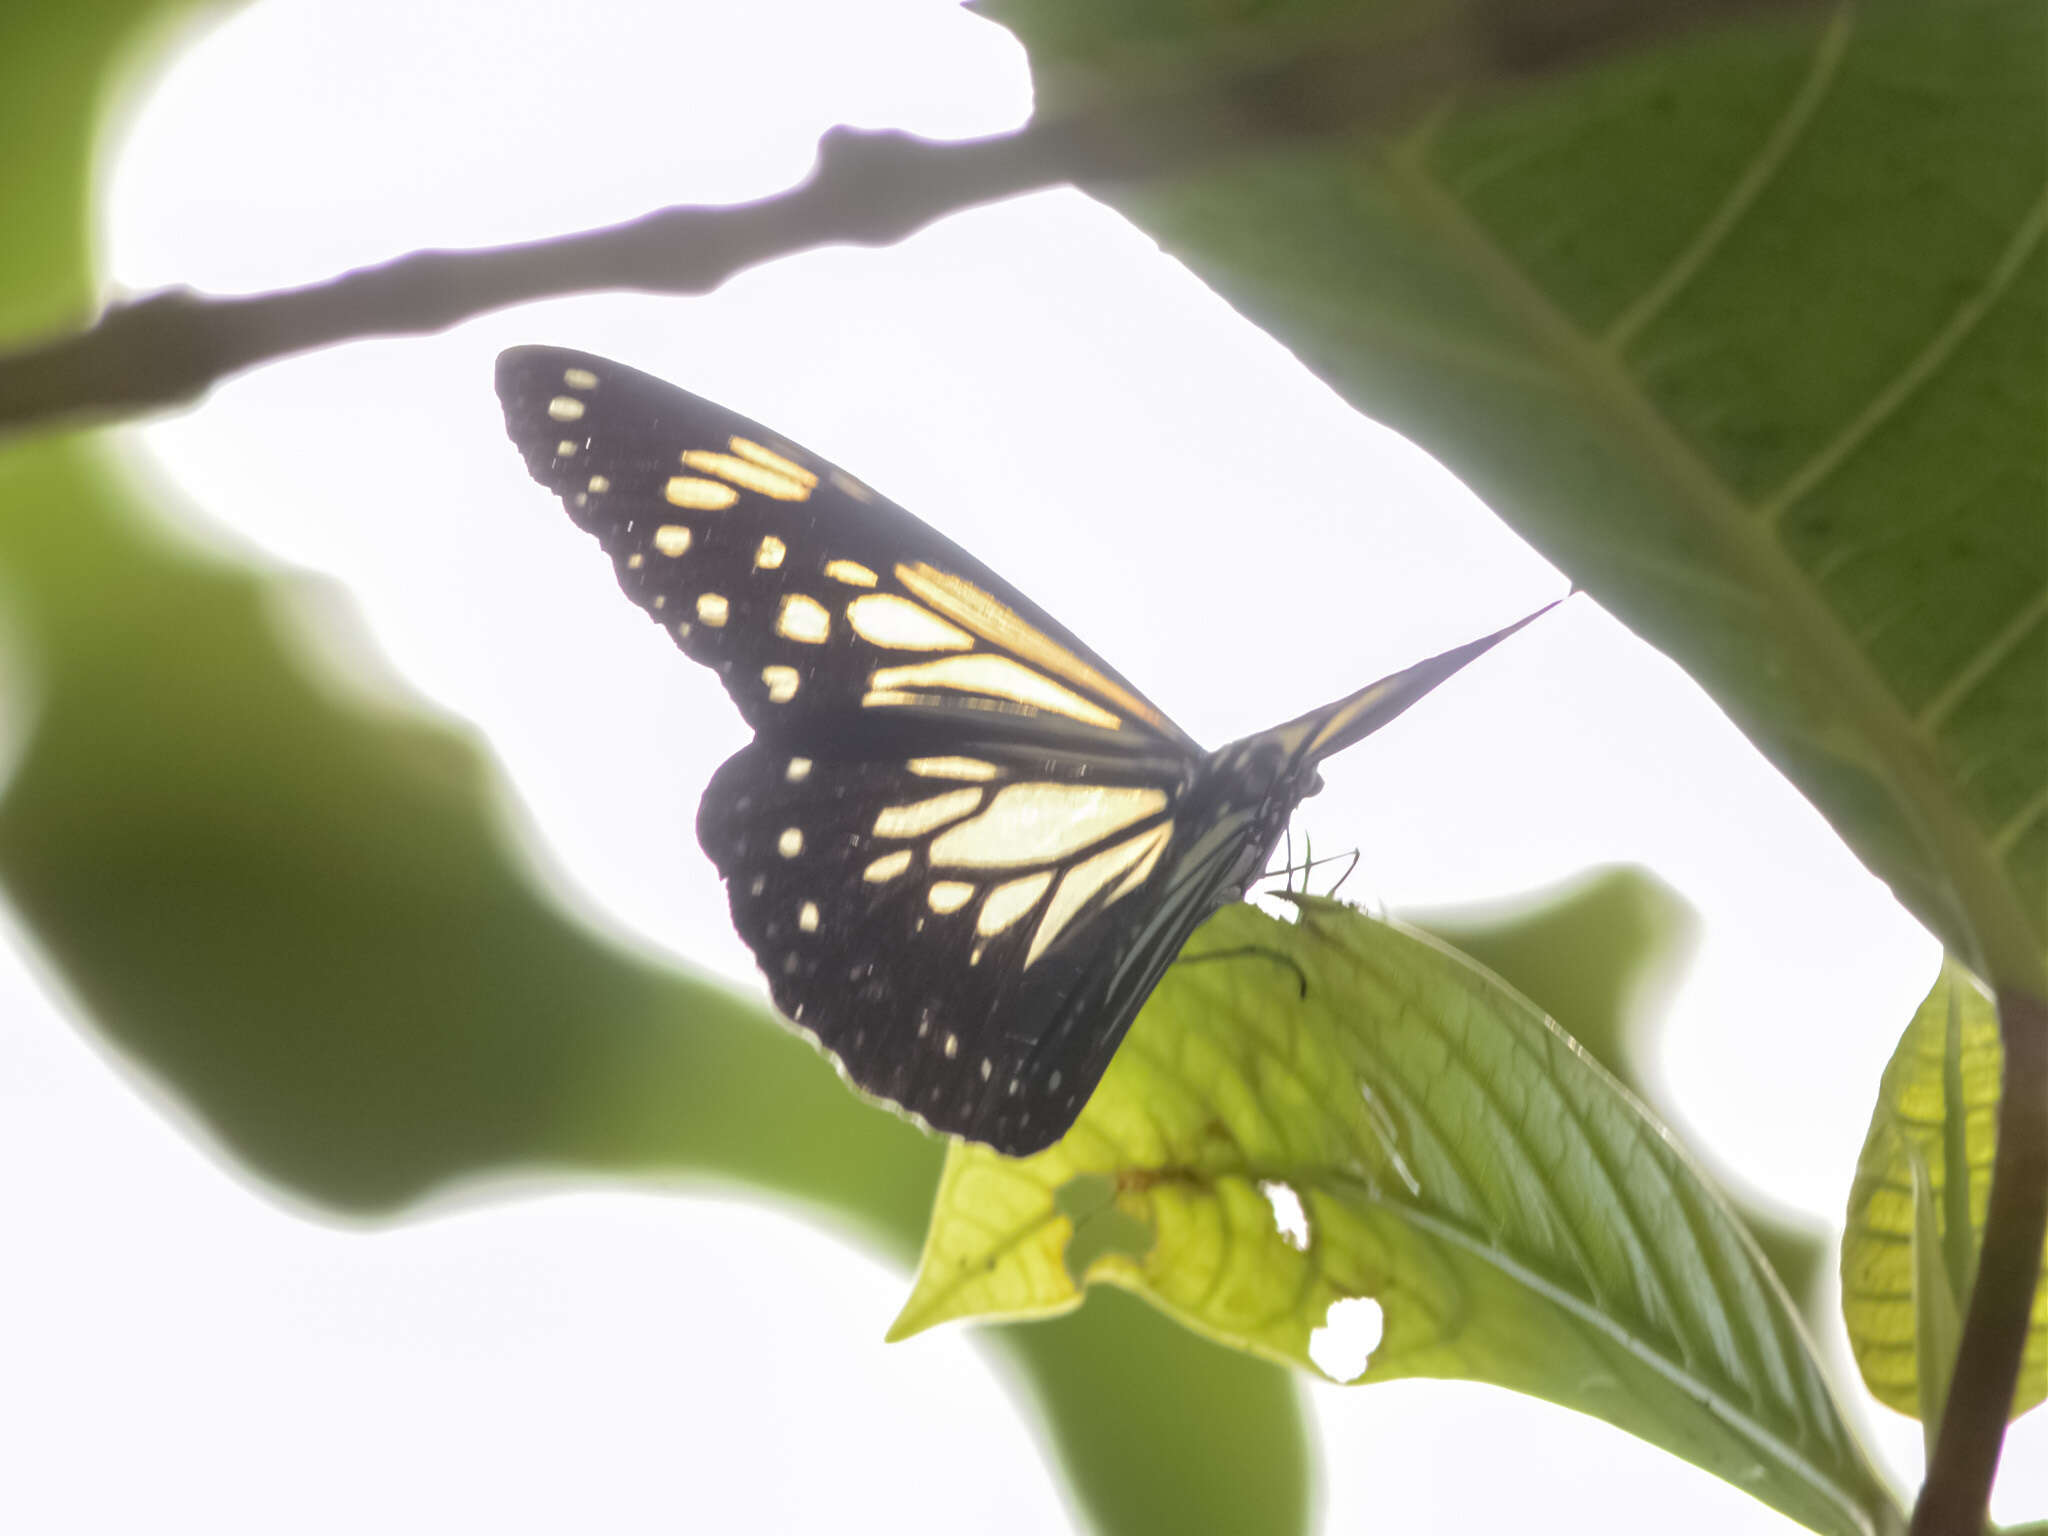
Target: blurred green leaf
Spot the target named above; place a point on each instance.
(1743, 332)
(1936, 1114)
(302, 914)
(1459, 1162)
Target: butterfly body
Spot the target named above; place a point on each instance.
(961, 846)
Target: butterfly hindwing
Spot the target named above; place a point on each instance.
(942, 923)
(804, 590)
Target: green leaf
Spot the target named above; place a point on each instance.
(303, 916)
(1455, 1161)
(1599, 953)
(1937, 1319)
(1934, 1129)
(1743, 331)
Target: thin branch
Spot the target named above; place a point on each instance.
(1955, 1500)
(868, 188)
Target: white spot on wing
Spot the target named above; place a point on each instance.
(782, 683)
(921, 816)
(1079, 885)
(565, 408)
(799, 769)
(1010, 901)
(791, 843)
(803, 619)
(770, 553)
(852, 572)
(897, 624)
(1039, 822)
(949, 895)
(699, 495)
(997, 677)
(887, 867)
(671, 539)
(579, 378)
(712, 609)
(951, 768)
(807, 919)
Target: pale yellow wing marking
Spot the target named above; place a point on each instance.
(579, 378)
(951, 768)
(699, 495)
(672, 539)
(807, 917)
(921, 816)
(984, 673)
(799, 769)
(773, 462)
(851, 486)
(887, 867)
(712, 609)
(897, 624)
(750, 475)
(1039, 823)
(1010, 901)
(973, 609)
(769, 555)
(1335, 726)
(803, 619)
(852, 572)
(565, 408)
(567, 448)
(599, 484)
(949, 895)
(782, 683)
(1133, 858)
(791, 843)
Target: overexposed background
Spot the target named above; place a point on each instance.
(1046, 386)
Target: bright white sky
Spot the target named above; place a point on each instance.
(1073, 406)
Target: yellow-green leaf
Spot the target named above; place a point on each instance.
(1344, 1115)
(1937, 1108)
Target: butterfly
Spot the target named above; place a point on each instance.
(962, 847)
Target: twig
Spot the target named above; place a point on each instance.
(1955, 1500)
(868, 188)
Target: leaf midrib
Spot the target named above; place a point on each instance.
(1898, 750)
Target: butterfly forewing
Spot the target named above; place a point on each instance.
(803, 589)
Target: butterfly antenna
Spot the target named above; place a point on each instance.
(1356, 855)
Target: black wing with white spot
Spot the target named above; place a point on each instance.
(958, 845)
(807, 592)
(968, 935)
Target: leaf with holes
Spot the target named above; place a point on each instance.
(1744, 332)
(1936, 1117)
(1336, 1120)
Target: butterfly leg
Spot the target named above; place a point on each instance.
(1242, 951)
